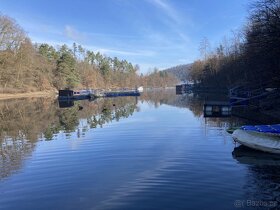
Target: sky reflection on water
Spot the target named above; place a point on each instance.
(152, 152)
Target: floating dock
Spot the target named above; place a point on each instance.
(183, 88)
(217, 109)
(121, 93)
(92, 94)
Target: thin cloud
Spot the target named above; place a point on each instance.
(184, 37)
(129, 53)
(71, 33)
(178, 22)
(168, 10)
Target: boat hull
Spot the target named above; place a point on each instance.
(257, 140)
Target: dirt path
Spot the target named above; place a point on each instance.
(28, 95)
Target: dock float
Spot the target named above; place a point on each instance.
(92, 94)
(121, 93)
(217, 109)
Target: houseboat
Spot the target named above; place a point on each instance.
(74, 94)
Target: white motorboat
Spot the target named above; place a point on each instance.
(258, 140)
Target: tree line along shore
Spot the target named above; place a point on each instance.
(250, 57)
(40, 67)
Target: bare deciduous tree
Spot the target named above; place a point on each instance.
(11, 34)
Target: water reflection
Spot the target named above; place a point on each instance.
(21, 125)
(184, 161)
(195, 103)
(25, 121)
(245, 155)
(263, 174)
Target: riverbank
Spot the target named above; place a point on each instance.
(4, 96)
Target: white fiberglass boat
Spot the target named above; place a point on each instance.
(263, 141)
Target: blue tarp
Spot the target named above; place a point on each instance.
(263, 128)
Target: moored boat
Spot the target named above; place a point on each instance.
(74, 94)
(140, 89)
(266, 129)
(263, 141)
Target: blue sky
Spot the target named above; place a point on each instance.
(151, 33)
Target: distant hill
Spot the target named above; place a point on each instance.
(180, 71)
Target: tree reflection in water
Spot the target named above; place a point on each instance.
(193, 102)
(23, 122)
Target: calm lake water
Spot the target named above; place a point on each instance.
(151, 152)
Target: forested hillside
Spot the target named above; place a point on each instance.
(25, 66)
(252, 56)
(181, 72)
(158, 79)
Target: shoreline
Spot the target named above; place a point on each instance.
(4, 96)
